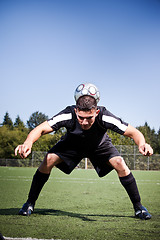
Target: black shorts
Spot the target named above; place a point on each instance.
(72, 154)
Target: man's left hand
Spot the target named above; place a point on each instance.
(146, 150)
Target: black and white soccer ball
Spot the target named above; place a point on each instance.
(87, 89)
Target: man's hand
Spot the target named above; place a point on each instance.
(24, 150)
(146, 150)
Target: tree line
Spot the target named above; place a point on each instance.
(15, 133)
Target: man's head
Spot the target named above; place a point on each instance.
(86, 103)
(86, 111)
(87, 96)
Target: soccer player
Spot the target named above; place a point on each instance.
(86, 136)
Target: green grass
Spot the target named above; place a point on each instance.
(78, 206)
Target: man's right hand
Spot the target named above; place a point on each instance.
(23, 150)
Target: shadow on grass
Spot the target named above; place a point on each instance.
(83, 217)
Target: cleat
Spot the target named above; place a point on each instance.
(142, 213)
(27, 209)
(1, 237)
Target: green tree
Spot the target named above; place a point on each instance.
(46, 142)
(19, 123)
(9, 139)
(118, 139)
(35, 119)
(150, 136)
(7, 121)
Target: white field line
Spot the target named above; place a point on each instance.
(9, 238)
(76, 180)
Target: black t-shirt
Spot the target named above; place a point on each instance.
(96, 134)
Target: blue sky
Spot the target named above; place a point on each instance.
(48, 47)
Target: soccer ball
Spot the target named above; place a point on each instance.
(87, 89)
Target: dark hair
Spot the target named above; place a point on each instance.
(86, 103)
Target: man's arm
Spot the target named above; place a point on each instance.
(25, 149)
(139, 139)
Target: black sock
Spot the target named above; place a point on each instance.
(129, 183)
(39, 179)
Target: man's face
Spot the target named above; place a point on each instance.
(86, 119)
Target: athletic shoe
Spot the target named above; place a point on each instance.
(1, 237)
(27, 209)
(142, 213)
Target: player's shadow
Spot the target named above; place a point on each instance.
(9, 211)
(83, 217)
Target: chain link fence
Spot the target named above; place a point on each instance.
(131, 155)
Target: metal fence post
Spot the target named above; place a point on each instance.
(148, 163)
(86, 164)
(32, 158)
(134, 158)
(120, 149)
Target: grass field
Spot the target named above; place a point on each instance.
(78, 206)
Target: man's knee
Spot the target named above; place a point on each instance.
(120, 162)
(117, 161)
(119, 165)
(51, 160)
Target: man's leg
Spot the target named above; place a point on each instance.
(39, 179)
(129, 183)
